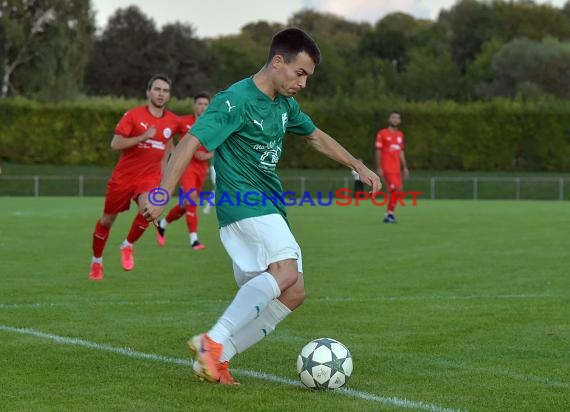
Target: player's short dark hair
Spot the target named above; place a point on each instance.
(290, 42)
(202, 95)
(159, 76)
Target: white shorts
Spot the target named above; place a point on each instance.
(256, 242)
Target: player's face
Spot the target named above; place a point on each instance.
(394, 120)
(292, 77)
(159, 93)
(200, 105)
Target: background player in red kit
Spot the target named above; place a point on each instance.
(391, 161)
(193, 178)
(144, 135)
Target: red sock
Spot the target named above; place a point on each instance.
(392, 203)
(137, 228)
(191, 218)
(175, 213)
(100, 236)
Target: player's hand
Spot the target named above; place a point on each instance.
(406, 173)
(149, 133)
(152, 212)
(370, 178)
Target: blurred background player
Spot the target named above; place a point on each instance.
(391, 161)
(144, 136)
(208, 206)
(358, 184)
(193, 178)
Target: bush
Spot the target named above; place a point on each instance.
(497, 135)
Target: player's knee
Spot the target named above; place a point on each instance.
(285, 273)
(108, 220)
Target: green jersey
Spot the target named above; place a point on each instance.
(246, 129)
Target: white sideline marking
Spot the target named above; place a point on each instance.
(392, 401)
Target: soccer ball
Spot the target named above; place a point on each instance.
(324, 363)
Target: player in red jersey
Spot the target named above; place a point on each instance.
(193, 178)
(391, 161)
(144, 135)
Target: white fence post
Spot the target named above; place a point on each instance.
(346, 182)
(302, 185)
(81, 179)
(36, 186)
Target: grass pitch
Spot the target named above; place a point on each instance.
(462, 306)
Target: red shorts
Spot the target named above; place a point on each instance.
(120, 192)
(192, 180)
(393, 181)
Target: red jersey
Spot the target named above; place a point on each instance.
(144, 159)
(196, 165)
(389, 145)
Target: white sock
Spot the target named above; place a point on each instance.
(126, 243)
(193, 237)
(97, 260)
(250, 300)
(255, 330)
(163, 223)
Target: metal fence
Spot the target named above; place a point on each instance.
(476, 188)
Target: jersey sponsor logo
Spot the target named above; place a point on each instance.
(152, 144)
(258, 123)
(270, 156)
(395, 147)
(284, 121)
(230, 107)
(167, 132)
(144, 125)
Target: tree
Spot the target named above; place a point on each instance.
(186, 59)
(123, 58)
(45, 44)
(532, 68)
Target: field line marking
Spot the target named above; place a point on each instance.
(392, 401)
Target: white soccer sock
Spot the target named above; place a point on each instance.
(255, 330)
(97, 260)
(126, 243)
(250, 300)
(163, 223)
(193, 237)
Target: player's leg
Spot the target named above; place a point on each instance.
(174, 214)
(275, 312)
(261, 245)
(197, 182)
(138, 227)
(394, 185)
(117, 200)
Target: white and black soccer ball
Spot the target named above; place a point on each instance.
(324, 363)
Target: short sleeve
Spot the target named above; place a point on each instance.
(125, 126)
(299, 123)
(379, 140)
(222, 118)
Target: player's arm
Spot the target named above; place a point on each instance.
(328, 146)
(167, 153)
(200, 155)
(121, 143)
(404, 165)
(176, 165)
(379, 163)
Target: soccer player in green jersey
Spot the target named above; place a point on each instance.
(245, 126)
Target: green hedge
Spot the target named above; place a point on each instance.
(497, 135)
